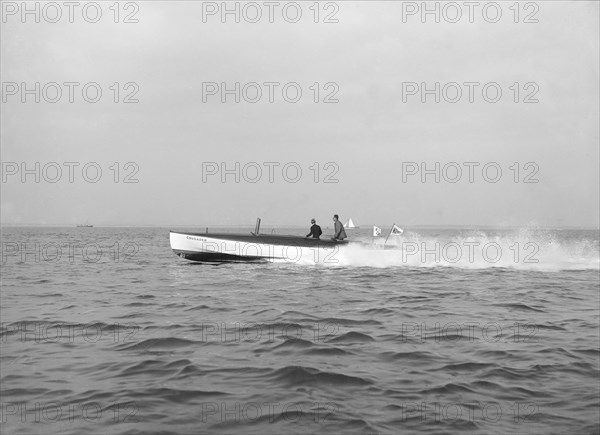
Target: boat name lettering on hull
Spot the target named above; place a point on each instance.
(200, 239)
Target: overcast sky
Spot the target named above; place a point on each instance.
(369, 135)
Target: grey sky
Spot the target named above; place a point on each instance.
(368, 134)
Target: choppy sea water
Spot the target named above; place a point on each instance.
(105, 330)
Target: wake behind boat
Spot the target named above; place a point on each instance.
(223, 247)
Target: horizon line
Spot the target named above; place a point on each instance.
(13, 225)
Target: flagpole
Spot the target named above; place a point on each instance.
(388, 236)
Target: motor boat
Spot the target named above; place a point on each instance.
(232, 247)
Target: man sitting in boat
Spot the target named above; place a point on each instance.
(315, 230)
(338, 227)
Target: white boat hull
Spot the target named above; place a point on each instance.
(236, 247)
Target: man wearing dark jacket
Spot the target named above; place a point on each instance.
(339, 232)
(315, 230)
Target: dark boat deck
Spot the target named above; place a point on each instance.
(270, 239)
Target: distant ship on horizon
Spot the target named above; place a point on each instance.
(85, 225)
